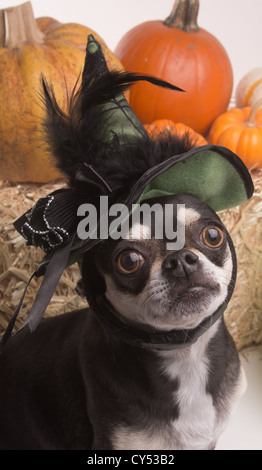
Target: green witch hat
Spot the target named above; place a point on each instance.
(103, 149)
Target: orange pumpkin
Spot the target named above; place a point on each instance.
(249, 89)
(29, 48)
(161, 125)
(240, 130)
(178, 51)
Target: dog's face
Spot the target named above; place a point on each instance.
(150, 285)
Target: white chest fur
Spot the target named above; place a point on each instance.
(198, 426)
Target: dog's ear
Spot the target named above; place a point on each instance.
(93, 282)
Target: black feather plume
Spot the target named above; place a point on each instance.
(99, 127)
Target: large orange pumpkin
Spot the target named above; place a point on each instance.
(29, 48)
(179, 129)
(178, 51)
(240, 130)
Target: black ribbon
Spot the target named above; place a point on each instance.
(52, 273)
(51, 224)
(11, 323)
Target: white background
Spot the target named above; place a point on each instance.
(236, 23)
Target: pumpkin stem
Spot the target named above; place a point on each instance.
(256, 106)
(184, 15)
(18, 25)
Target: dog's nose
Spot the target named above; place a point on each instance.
(180, 263)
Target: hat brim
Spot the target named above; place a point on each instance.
(212, 174)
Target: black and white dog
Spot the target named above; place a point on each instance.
(103, 377)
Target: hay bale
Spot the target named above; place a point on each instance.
(244, 223)
(17, 262)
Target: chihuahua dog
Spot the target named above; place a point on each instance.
(122, 374)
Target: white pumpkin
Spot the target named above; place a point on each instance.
(249, 89)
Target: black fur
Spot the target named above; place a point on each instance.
(71, 372)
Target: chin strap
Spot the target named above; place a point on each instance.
(147, 337)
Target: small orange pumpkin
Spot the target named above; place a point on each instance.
(161, 125)
(29, 48)
(240, 130)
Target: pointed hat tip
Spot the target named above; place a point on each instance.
(93, 45)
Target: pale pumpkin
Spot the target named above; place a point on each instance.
(249, 89)
(29, 48)
(178, 51)
(161, 125)
(240, 130)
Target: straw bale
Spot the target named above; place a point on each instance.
(244, 223)
(18, 262)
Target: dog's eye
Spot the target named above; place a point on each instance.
(213, 237)
(129, 262)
